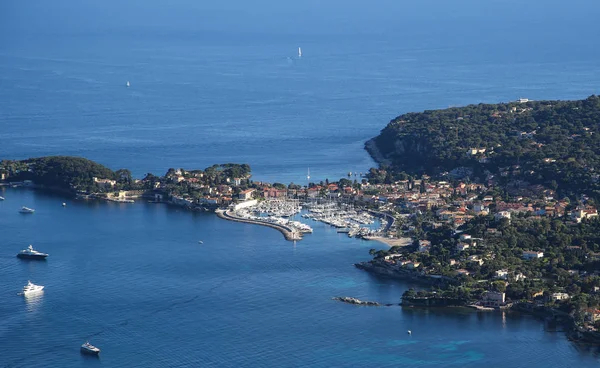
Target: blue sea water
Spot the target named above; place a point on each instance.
(221, 82)
(133, 279)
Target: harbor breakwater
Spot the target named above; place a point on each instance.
(288, 232)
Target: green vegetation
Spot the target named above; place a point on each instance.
(570, 263)
(555, 143)
(224, 171)
(76, 174)
(59, 172)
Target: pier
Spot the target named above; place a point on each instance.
(390, 219)
(288, 232)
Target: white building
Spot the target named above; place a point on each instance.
(105, 182)
(502, 215)
(464, 237)
(559, 296)
(462, 246)
(529, 254)
(501, 274)
(246, 194)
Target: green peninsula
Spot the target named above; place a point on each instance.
(499, 202)
(554, 143)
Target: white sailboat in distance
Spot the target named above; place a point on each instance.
(127, 84)
(299, 52)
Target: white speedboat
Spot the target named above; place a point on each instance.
(1, 198)
(88, 348)
(31, 288)
(31, 253)
(26, 210)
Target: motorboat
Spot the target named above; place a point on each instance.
(31, 253)
(90, 349)
(26, 210)
(31, 289)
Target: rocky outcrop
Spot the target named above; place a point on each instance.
(350, 300)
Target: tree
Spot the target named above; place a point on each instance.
(123, 176)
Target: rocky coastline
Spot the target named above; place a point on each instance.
(355, 301)
(401, 274)
(373, 150)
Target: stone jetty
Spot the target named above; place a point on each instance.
(288, 232)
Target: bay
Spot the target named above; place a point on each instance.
(221, 82)
(133, 279)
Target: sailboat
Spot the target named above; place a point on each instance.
(299, 52)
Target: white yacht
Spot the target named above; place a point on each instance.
(88, 348)
(26, 210)
(31, 253)
(31, 288)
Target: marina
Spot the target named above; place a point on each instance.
(281, 214)
(346, 218)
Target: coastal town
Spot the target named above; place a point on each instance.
(497, 233)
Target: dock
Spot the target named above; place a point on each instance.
(289, 233)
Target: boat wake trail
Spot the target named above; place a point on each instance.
(165, 309)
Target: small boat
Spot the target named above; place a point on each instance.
(88, 348)
(127, 84)
(31, 289)
(299, 52)
(31, 253)
(409, 332)
(64, 204)
(26, 210)
(1, 198)
(200, 242)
